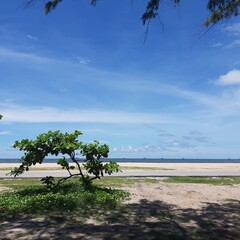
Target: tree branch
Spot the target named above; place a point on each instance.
(65, 178)
(78, 165)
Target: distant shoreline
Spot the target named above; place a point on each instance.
(139, 160)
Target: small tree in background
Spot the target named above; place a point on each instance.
(57, 143)
(1, 116)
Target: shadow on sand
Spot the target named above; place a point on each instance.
(145, 220)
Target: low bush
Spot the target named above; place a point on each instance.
(68, 198)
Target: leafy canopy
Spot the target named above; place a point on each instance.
(65, 144)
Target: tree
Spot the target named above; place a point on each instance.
(219, 9)
(1, 116)
(57, 143)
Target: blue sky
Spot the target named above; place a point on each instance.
(88, 68)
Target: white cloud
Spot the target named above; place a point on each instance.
(138, 149)
(234, 43)
(164, 133)
(83, 61)
(5, 133)
(46, 114)
(24, 56)
(165, 147)
(217, 44)
(31, 37)
(195, 138)
(230, 78)
(233, 33)
(233, 29)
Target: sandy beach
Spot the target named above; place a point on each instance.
(128, 166)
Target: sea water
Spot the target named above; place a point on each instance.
(142, 160)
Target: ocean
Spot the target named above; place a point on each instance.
(142, 160)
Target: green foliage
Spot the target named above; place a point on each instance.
(57, 143)
(49, 181)
(53, 142)
(151, 11)
(94, 152)
(67, 198)
(50, 5)
(1, 116)
(221, 9)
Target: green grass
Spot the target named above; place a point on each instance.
(122, 181)
(204, 180)
(17, 183)
(111, 181)
(108, 181)
(70, 197)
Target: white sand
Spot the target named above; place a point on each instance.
(186, 166)
(179, 167)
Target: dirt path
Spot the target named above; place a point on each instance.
(184, 195)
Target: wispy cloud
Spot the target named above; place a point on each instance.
(195, 133)
(166, 146)
(32, 37)
(233, 29)
(163, 133)
(5, 133)
(217, 44)
(230, 78)
(234, 43)
(138, 149)
(233, 32)
(24, 56)
(195, 138)
(83, 61)
(160, 132)
(46, 114)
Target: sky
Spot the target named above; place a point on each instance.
(171, 93)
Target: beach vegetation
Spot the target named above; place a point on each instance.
(108, 181)
(114, 181)
(65, 145)
(65, 199)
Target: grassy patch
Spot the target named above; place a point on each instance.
(17, 183)
(108, 181)
(122, 181)
(68, 198)
(111, 181)
(204, 180)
